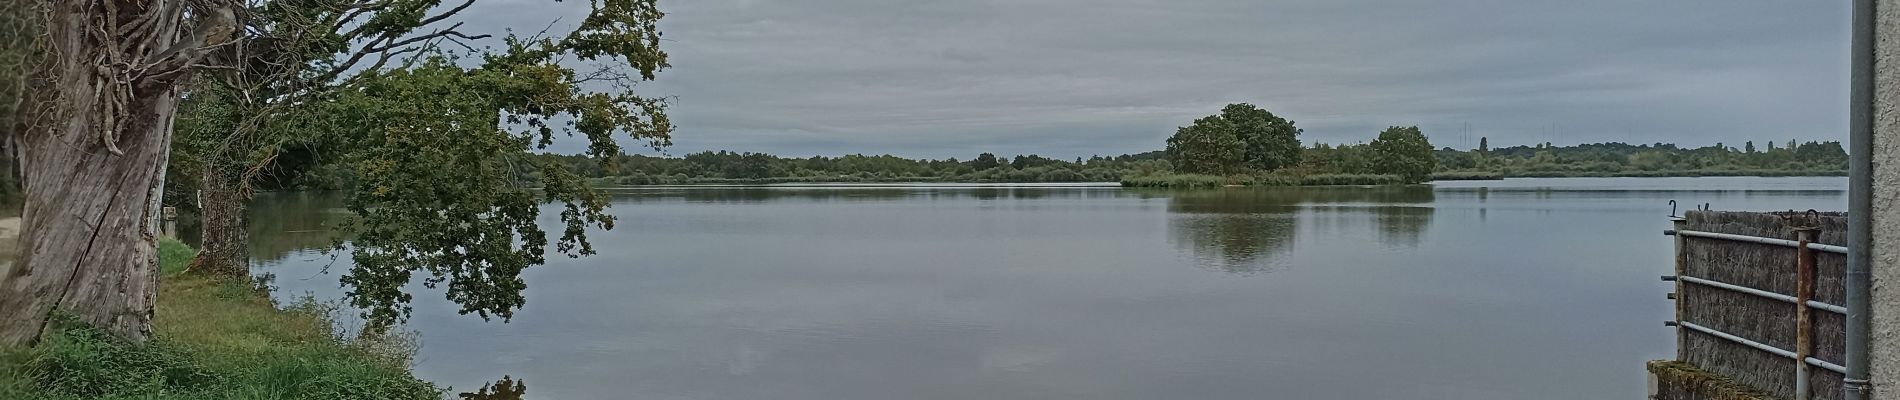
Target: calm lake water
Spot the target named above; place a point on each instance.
(1515, 289)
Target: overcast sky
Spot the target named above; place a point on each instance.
(1067, 78)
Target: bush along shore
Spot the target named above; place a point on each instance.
(217, 339)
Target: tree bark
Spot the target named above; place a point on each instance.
(225, 250)
(94, 130)
(90, 248)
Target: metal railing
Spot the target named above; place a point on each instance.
(1803, 299)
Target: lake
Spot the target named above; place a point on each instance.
(1514, 289)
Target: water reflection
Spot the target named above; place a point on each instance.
(1402, 225)
(1250, 231)
(1242, 232)
(763, 194)
(506, 388)
(282, 224)
(1017, 293)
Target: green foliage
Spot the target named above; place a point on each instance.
(1271, 142)
(1404, 151)
(434, 149)
(1209, 146)
(1350, 180)
(437, 190)
(174, 255)
(1241, 138)
(1660, 159)
(80, 362)
(1189, 181)
(1176, 181)
(985, 161)
(214, 346)
(1467, 176)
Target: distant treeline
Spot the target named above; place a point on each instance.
(1826, 158)
(1319, 164)
(727, 167)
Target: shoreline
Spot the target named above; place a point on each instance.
(1440, 177)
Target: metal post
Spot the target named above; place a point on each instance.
(1860, 200)
(1803, 316)
(1682, 262)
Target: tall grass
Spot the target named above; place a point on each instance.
(216, 339)
(1467, 176)
(1207, 181)
(1350, 179)
(1179, 181)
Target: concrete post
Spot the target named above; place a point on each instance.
(1884, 338)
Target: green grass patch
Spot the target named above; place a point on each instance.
(174, 255)
(217, 339)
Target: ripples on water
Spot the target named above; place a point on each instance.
(1532, 288)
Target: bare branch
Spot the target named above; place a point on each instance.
(385, 49)
(446, 14)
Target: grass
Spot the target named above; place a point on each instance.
(216, 339)
(1467, 176)
(1179, 181)
(1350, 179)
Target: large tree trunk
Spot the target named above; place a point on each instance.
(94, 131)
(225, 250)
(87, 232)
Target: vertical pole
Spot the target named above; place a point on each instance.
(1860, 185)
(1682, 263)
(1804, 323)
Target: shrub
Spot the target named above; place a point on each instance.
(1175, 181)
(1351, 179)
(1467, 176)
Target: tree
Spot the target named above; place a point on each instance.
(417, 127)
(435, 192)
(1483, 157)
(1748, 147)
(1272, 142)
(296, 52)
(1209, 146)
(99, 87)
(1404, 151)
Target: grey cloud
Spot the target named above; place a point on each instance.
(1072, 78)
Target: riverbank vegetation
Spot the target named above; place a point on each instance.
(1249, 146)
(1242, 146)
(216, 338)
(1320, 164)
(1614, 159)
(1207, 181)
